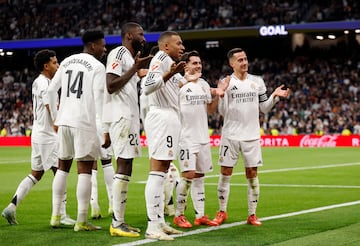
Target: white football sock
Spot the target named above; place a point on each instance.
(63, 205)
(168, 189)
(154, 191)
(120, 189)
(94, 190)
(223, 191)
(109, 178)
(58, 191)
(22, 190)
(83, 193)
(198, 196)
(253, 195)
(182, 191)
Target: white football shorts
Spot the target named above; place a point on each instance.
(162, 128)
(80, 144)
(44, 156)
(125, 138)
(230, 150)
(195, 157)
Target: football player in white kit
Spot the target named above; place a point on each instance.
(244, 97)
(162, 127)
(194, 156)
(105, 157)
(79, 76)
(121, 112)
(44, 144)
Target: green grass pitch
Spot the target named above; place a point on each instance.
(294, 183)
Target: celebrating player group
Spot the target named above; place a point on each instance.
(97, 116)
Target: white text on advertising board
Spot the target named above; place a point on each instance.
(272, 30)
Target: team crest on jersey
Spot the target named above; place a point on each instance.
(186, 164)
(136, 151)
(221, 159)
(171, 153)
(253, 86)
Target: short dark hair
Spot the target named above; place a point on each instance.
(186, 56)
(233, 51)
(92, 36)
(167, 34)
(127, 27)
(42, 57)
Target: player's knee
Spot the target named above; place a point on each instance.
(188, 174)
(227, 171)
(251, 172)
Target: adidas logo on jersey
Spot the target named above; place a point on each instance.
(234, 88)
(189, 90)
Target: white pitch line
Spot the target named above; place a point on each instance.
(14, 161)
(288, 185)
(224, 226)
(298, 185)
(294, 169)
(284, 170)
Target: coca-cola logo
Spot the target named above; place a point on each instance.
(315, 141)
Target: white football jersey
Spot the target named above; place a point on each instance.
(122, 103)
(160, 93)
(194, 98)
(42, 131)
(78, 77)
(240, 108)
(99, 105)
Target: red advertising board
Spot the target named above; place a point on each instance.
(305, 141)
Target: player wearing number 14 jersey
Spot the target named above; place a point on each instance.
(80, 77)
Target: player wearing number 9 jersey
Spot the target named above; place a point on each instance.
(80, 77)
(162, 127)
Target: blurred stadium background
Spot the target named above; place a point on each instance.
(311, 46)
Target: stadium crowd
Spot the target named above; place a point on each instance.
(61, 18)
(324, 99)
(325, 93)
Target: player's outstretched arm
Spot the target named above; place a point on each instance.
(222, 85)
(281, 91)
(175, 68)
(142, 62)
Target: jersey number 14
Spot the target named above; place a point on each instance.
(74, 85)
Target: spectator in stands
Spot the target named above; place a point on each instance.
(21, 19)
